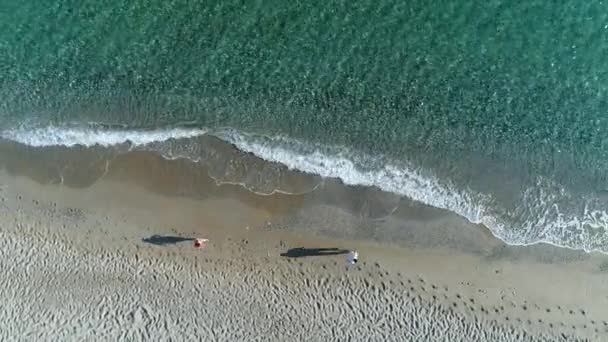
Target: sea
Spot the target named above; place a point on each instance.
(494, 110)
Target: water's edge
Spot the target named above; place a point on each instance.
(279, 165)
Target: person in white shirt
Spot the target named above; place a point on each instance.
(352, 257)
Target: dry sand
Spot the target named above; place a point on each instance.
(113, 261)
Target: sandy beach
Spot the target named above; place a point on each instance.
(460, 148)
(114, 260)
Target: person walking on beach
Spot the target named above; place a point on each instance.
(352, 257)
(200, 243)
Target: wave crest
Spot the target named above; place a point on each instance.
(89, 137)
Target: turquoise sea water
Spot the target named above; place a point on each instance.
(496, 110)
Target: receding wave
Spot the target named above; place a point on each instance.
(546, 212)
(358, 169)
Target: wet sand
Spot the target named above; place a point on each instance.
(114, 260)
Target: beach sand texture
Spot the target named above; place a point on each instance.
(115, 262)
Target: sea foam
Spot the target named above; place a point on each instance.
(88, 137)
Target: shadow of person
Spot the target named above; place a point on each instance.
(305, 252)
(161, 240)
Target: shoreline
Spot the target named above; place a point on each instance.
(223, 171)
(499, 290)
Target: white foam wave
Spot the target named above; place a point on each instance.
(545, 221)
(357, 169)
(88, 137)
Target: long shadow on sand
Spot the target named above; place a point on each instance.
(305, 252)
(161, 240)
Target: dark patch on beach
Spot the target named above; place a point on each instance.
(603, 267)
